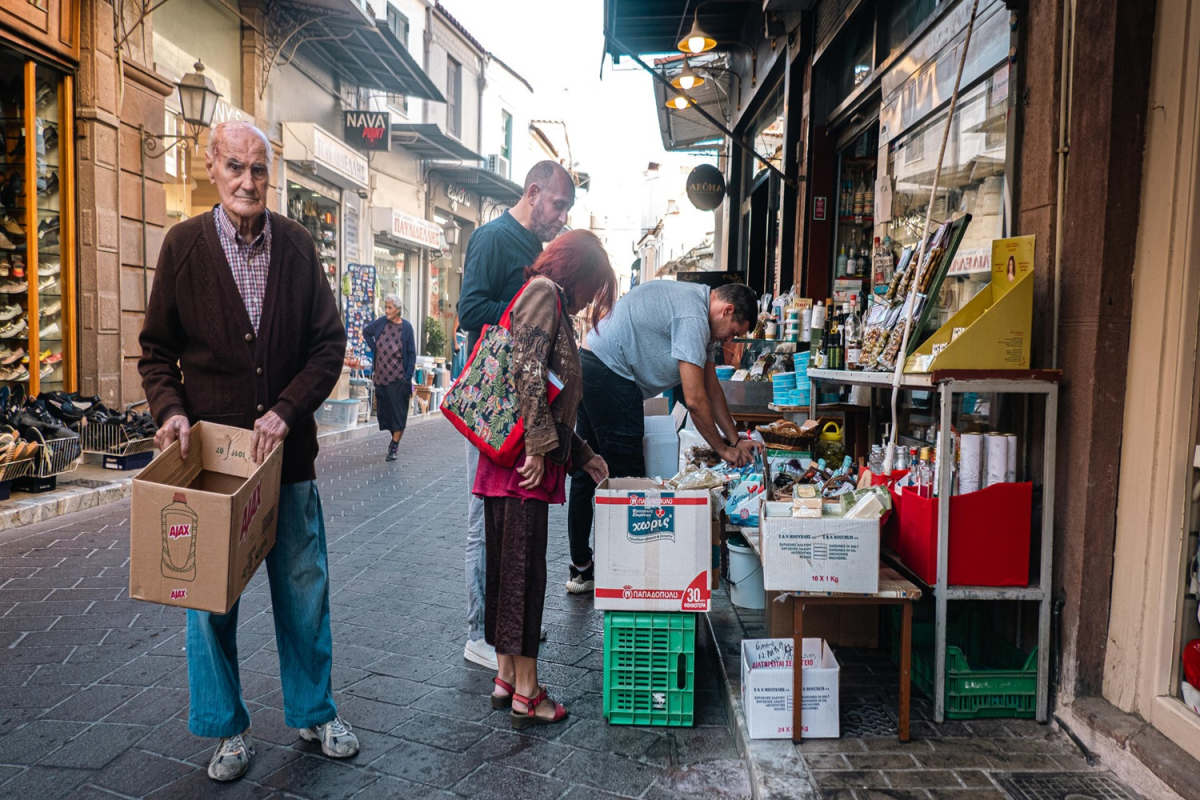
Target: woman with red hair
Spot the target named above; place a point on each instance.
(570, 274)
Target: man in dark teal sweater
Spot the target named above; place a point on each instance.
(497, 255)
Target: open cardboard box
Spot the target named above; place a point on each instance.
(200, 526)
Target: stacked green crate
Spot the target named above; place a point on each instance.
(649, 668)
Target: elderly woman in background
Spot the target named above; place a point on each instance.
(570, 274)
(394, 356)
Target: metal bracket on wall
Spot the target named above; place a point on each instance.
(740, 141)
(285, 22)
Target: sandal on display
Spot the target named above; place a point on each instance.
(521, 721)
(503, 700)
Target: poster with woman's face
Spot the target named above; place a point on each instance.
(1012, 260)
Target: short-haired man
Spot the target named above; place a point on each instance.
(659, 336)
(242, 329)
(493, 273)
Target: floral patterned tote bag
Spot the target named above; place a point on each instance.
(483, 404)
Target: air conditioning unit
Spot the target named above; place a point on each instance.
(498, 164)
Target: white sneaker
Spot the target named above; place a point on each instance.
(480, 652)
(335, 737)
(231, 759)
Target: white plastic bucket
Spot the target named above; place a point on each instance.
(745, 576)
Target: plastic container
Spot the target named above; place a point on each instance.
(337, 413)
(830, 445)
(745, 574)
(986, 677)
(649, 668)
(725, 373)
(989, 535)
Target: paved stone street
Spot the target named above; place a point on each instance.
(93, 686)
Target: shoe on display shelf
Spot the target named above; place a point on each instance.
(13, 329)
(11, 357)
(11, 226)
(50, 310)
(48, 186)
(50, 334)
(47, 370)
(9, 312)
(12, 286)
(6, 243)
(47, 283)
(14, 373)
(48, 268)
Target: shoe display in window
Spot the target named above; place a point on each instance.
(12, 227)
(10, 357)
(48, 268)
(47, 283)
(14, 373)
(9, 312)
(51, 136)
(48, 186)
(50, 333)
(13, 286)
(53, 358)
(50, 310)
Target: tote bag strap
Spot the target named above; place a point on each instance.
(506, 318)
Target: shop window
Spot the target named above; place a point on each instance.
(902, 18)
(37, 269)
(973, 181)
(850, 60)
(769, 130)
(454, 98)
(320, 215)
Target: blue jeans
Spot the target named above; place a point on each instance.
(298, 571)
(476, 552)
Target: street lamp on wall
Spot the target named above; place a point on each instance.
(198, 97)
(453, 231)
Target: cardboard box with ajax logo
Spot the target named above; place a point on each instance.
(653, 549)
(200, 526)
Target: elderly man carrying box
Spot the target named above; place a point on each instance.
(241, 329)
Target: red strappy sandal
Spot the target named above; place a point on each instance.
(530, 717)
(503, 702)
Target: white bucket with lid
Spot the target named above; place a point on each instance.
(745, 575)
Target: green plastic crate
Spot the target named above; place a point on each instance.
(649, 668)
(986, 677)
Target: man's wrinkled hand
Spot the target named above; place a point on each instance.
(269, 431)
(177, 427)
(749, 446)
(736, 456)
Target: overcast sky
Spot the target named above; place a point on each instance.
(557, 46)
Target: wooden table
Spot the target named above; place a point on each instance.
(893, 590)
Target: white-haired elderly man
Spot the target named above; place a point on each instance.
(242, 329)
(393, 361)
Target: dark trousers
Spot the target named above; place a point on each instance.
(515, 592)
(611, 420)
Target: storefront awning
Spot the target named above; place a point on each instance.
(656, 26)
(428, 141)
(686, 129)
(370, 56)
(484, 183)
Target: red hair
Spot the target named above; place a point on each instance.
(578, 263)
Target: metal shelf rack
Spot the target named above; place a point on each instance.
(947, 384)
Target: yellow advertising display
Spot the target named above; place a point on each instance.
(992, 331)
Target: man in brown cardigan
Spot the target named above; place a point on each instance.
(242, 329)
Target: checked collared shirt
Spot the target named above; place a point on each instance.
(249, 261)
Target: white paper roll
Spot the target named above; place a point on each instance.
(1010, 464)
(997, 458)
(971, 464)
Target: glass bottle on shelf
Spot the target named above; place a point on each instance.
(842, 263)
(869, 198)
(853, 335)
(858, 197)
(925, 475)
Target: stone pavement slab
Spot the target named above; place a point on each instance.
(93, 686)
